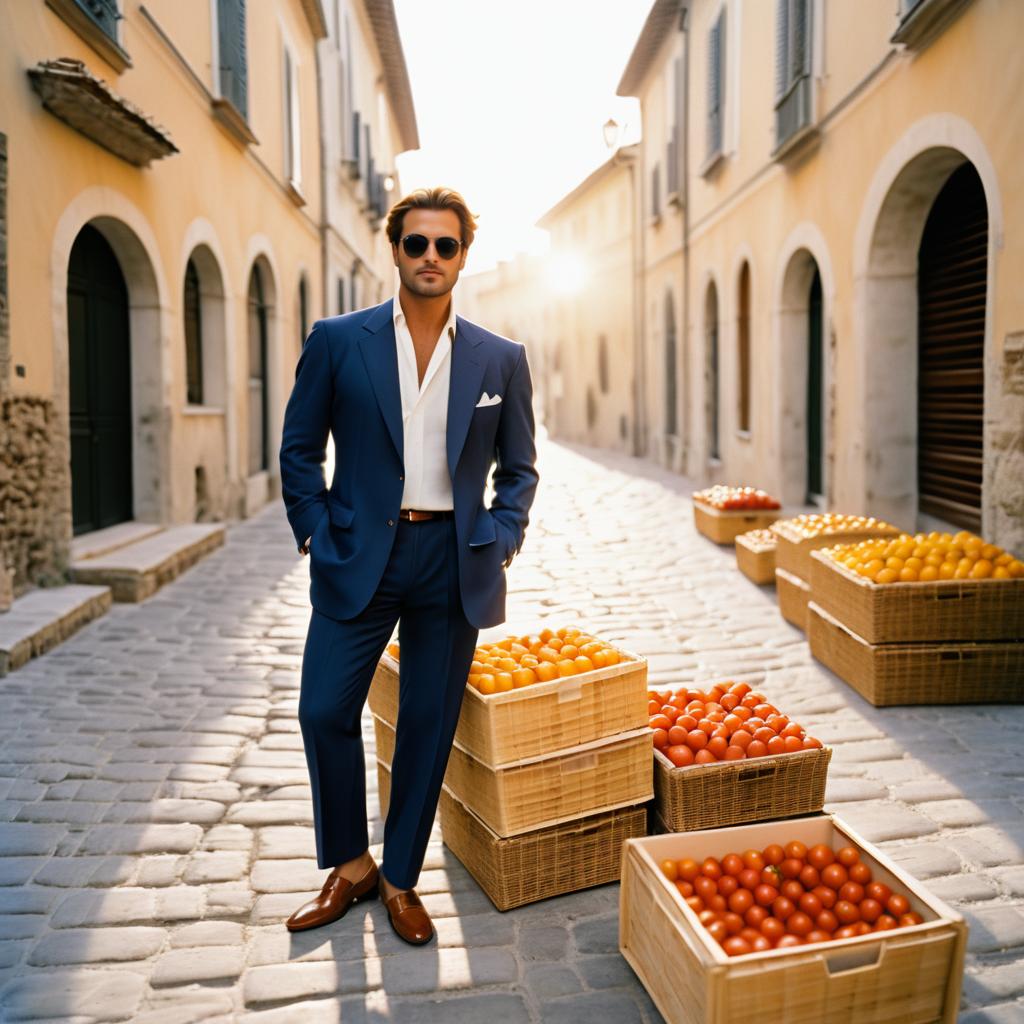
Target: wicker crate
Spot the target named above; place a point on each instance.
(733, 792)
(943, 611)
(793, 594)
(724, 527)
(546, 862)
(926, 673)
(755, 560)
(793, 550)
(595, 777)
(894, 977)
(504, 728)
(383, 787)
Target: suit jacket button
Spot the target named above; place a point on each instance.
(401, 478)
(391, 522)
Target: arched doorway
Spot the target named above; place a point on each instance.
(815, 388)
(951, 282)
(258, 399)
(711, 382)
(100, 385)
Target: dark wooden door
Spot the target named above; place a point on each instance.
(99, 362)
(952, 273)
(258, 411)
(815, 407)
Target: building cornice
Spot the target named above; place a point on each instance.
(396, 75)
(661, 20)
(620, 158)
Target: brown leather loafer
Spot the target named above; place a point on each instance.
(409, 917)
(337, 895)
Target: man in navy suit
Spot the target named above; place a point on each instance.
(421, 404)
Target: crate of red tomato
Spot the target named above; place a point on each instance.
(725, 755)
(722, 513)
(799, 921)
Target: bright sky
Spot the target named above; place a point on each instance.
(510, 100)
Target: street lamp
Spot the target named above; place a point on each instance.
(611, 130)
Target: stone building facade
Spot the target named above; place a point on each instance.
(842, 254)
(172, 224)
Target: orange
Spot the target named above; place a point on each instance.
(567, 668)
(569, 650)
(523, 677)
(546, 671)
(548, 654)
(487, 685)
(584, 664)
(508, 664)
(503, 681)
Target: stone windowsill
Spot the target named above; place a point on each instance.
(72, 15)
(294, 194)
(744, 435)
(202, 410)
(231, 119)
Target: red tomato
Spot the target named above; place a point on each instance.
(774, 854)
(870, 910)
(732, 864)
(848, 855)
(860, 873)
(819, 936)
(792, 889)
(809, 877)
(789, 940)
(885, 923)
(750, 879)
(827, 896)
(910, 918)
(772, 929)
(791, 867)
(897, 905)
(733, 922)
(688, 869)
(680, 754)
(847, 912)
(741, 901)
(660, 739)
(810, 905)
(755, 915)
(727, 885)
(827, 921)
(852, 892)
(878, 891)
(782, 908)
(799, 923)
(766, 895)
(754, 860)
(712, 868)
(735, 946)
(834, 876)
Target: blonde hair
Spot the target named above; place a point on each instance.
(432, 199)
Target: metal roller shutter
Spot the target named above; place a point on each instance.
(951, 342)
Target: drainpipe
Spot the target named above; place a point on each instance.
(324, 212)
(684, 101)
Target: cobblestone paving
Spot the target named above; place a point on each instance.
(156, 822)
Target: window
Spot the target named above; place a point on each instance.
(743, 353)
(231, 39)
(95, 22)
(922, 20)
(671, 398)
(303, 310)
(602, 364)
(716, 85)
(792, 69)
(341, 295)
(656, 192)
(104, 13)
(293, 138)
(672, 149)
(193, 337)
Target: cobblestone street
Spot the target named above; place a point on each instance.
(157, 827)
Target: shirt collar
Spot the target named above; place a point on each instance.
(398, 315)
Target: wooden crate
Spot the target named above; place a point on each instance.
(942, 611)
(793, 594)
(595, 777)
(755, 560)
(383, 787)
(504, 728)
(546, 862)
(896, 977)
(925, 673)
(732, 792)
(725, 527)
(793, 550)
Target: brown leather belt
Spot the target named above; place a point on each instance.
(414, 515)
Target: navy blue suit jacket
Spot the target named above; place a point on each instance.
(346, 383)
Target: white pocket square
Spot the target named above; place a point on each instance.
(486, 400)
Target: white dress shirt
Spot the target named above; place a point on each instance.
(428, 485)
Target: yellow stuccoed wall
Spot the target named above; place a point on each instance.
(215, 191)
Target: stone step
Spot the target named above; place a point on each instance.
(137, 570)
(101, 542)
(41, 619)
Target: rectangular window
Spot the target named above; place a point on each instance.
(103, 13)
(231, 39)
(792, 68)
(293, 137)
(355, 152)
(656, 192)
(716, 84)
(341, 295)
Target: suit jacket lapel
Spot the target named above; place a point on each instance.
(467, 372)
(380, 354)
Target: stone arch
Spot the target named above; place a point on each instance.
(803, 252)
(131, 237)
(897, 204)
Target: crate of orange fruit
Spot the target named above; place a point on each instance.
(534, 865)
(532, 694)
(755, 556)
(938, 587)
(797, 537)
(724, 755)
(801, 921)
(721, 513)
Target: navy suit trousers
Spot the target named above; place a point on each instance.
(420, 591)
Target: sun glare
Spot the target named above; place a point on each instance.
(565, 273)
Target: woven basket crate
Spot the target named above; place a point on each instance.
(383, 787)
(723, 527)
(943, 611)
(733, 792)
(793, 594)
(504, 728)
(793, 549)
(596, 777)
(546, 862)
(892, 977)
(925, 673)
(755, 560)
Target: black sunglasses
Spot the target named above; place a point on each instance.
(416, 245)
